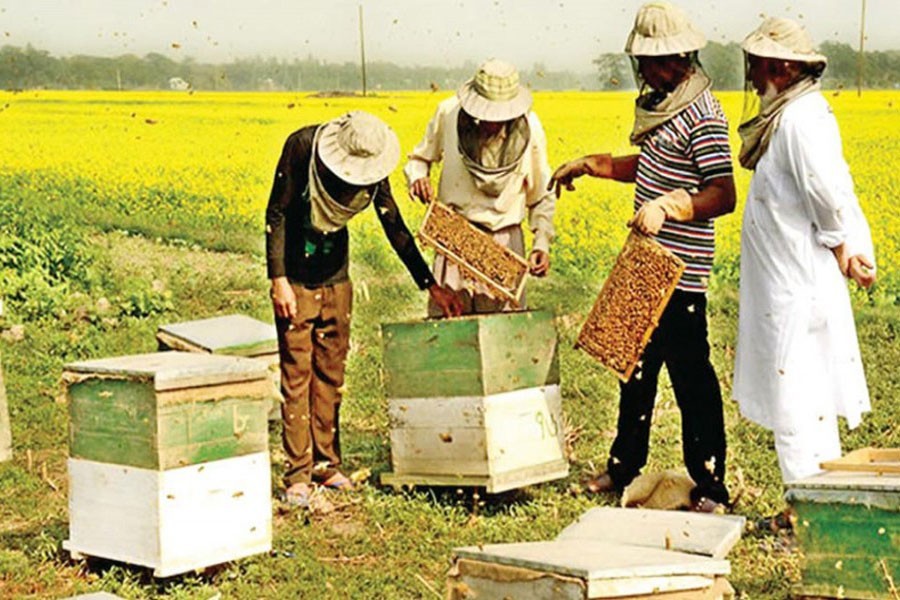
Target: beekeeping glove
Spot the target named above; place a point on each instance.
(675, 205)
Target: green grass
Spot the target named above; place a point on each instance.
(378, 543)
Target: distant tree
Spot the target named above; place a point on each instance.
(614, 71)
(724, 63)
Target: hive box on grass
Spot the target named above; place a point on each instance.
(848, 530)
(474, 401)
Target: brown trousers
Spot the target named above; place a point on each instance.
(313, 350)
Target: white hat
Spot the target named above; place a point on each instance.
(661, 29)
(784, 39)
(494, 94)
(359, 148)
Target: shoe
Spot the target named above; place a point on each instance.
(601, 484)
(338, 481)
(706, 505)
(304, 496)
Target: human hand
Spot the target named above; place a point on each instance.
(539, 263)
(648, 219)
(861, 270)
(564, 174)
(284, 300)
(447, 301)
(421, 189)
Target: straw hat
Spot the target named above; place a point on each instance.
(784, 39)
(359, 148)
(660, 29)
(494, 93)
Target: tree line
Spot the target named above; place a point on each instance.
(32, 68)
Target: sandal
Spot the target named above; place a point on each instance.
(338, 481)
(298, 495)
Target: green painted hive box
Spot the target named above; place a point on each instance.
(167, 409)
(848, 530)
(476, 355)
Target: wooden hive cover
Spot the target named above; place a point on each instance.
(475, 355)
(630, 304)
(236, 335)
(167, 409)
(595, 562)
(696, 533)
(501, 270)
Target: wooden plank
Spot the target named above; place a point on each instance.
(867, 460)
(695, 533)
(399, 480)
(441, 451)
(849, 481)
(173, 521)
(592, 560)
(170, 370)
(493, 484)
(518, 478)
(5, 428)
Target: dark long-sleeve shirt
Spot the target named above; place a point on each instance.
(307, 256)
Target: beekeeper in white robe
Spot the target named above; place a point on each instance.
(798, 364)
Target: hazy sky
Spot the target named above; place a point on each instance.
(561, 34)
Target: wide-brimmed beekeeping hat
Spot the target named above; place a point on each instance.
(359, 148)
(494, 93)
(661, 29)
(782, 38)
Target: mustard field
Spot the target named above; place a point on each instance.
(188, 164)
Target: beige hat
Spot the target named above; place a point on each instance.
(784, 39)
(359, 148)
(494, 94)
(660, 29)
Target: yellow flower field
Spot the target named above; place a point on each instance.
(208, 155)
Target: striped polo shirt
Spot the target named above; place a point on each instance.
(685, 152)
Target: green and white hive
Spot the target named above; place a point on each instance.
(474, 401)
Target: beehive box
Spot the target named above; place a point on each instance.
(172, 521)
(848, 530)
(230, 335)
(584, 570)
(474, 401)
(167, 409)
(475, 355)
(499, 442)
(501, 270)
(630, 304)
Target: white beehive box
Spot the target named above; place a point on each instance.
(499, 441)
(173, 521)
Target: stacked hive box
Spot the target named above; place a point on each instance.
(230, 335)
(474, 401)
(848, 529)
(169, 462)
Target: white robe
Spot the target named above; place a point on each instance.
(797, 364)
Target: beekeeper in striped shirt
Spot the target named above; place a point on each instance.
(683, 180)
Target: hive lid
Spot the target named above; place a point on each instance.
(696, 533)
(237, 335)
(593, 560)
(172, 370)
(848, 480)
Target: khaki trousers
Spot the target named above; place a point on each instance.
(313, 351)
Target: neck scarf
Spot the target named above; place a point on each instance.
(648, 115)
(326, 213)
(492, 163)
(757, 132)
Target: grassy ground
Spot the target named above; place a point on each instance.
(378, 543)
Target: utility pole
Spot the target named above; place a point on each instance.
(362, 48)
(861, 60)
